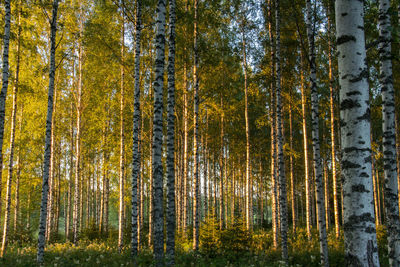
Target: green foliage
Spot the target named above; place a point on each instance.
(236, 238)
(210, 236)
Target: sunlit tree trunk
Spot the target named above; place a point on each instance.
(122, 141)
(196, 179)
(12, 145)
(273, 130)
(332, 127)
(47, 151)
(305, 148)
(249, 193)
(71, 175)
(3, 93)
(77, 214)
(292, 191)
(359, 233)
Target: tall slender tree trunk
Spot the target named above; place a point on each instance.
(205, 167)
(51, 173)
(136, 134)
(151, 226)
(305, 148)
(221, 166)
(46, 163)
(158, 135)
(4, 87)
(12, 143)
(359, 231)
(292, 191)
(122, 141)
(196, 179)
(326, 184)
(71, 175)
(332, 126)
(77, 214)
(281, 160)
(171, 137)
(389, 133)
(185, 149)
(318, 172)
(249, 193)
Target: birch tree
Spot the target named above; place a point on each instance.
(389, 134)
(12, 143)
(279, 135)
(46, 163)
(171, 138)
(196, 179)
(158, 135)
(136, 132)
(359, 231)
(122, 139)
(319, 180)
(4, 86)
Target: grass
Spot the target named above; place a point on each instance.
(253, 250)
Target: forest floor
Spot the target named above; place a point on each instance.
(258, 252)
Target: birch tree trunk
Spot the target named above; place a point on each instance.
(305, 148)
(249, 192)
(272, 111)
(71, 175)
(77, 212)
(292, 191)
(196, 179)
(46, 163)
(12, 145)
(332, 126)
(221, 166)
(4, 87)
(136, 133)
(319, 179)
(389, 133)
(158, 135)
(281, 160)
(122, 141)
(359, 231)
(171, 138)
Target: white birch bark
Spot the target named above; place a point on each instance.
(359, 222)
(4, 87)
(46, 163)
(389, 133)
(319, 180)
(281, 160)
(157, 170)
(136, 134)
(122, 141)
(171, 139)
(196, 179)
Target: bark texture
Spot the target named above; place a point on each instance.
(46, 163)
(319, 179)
(389, 133)
(359, 222)
(171, 139)
(158, 215)
(136, 134)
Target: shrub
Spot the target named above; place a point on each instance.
(210, 236)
